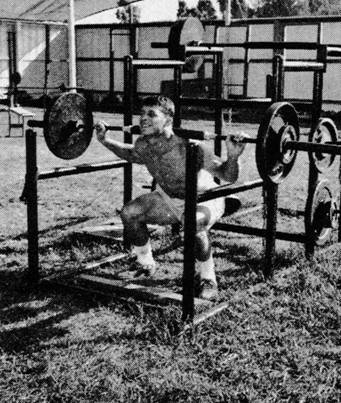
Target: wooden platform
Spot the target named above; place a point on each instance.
(108, 230)
(123, 289)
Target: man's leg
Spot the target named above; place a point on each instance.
(206, 278)
(146, 209)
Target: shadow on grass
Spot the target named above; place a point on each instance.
(246, 259)
(58, 227)
(29, 314)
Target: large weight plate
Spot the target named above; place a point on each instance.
(325, 132)
(68, 126)
(186, 32)
(279, 124)
(319, 214)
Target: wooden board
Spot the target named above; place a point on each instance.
(124, 289)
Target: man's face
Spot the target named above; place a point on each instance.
(153, 120)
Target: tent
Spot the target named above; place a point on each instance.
(58, 11)
(55, 10)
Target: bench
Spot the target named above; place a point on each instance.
(21, 114)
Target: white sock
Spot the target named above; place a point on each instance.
(144, 254)
(206, 269)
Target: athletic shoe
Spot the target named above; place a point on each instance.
(232, 204)
(142, 270)
(207, 289)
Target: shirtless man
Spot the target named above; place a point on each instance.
(164, 155)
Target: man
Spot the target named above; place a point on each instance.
(164, 155)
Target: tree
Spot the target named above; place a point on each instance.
(283, 8)
(323, 7)
(279, 8)
(204, 10)
(127, 13)
(239, 8)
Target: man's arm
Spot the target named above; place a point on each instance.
(122, 150)
(227, 170)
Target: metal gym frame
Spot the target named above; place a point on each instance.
(130, 67)
(30, 193)
(80, 280)
(270, 189)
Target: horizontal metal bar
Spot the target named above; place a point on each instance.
(260, 232)
(313, 147)
(81, 169)
(159, 45)
(333, 51)
(303, 66)
(161, 63)
(100, 59)
(266, 45)
(226, 190)
(250, 45)
(36, 123)
(225, 103)
(200, 50)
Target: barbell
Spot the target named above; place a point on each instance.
(278, 141)
(68, 128)
(321, 213)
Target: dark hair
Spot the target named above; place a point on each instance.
(164, 103)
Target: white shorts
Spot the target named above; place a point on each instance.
(216, 207)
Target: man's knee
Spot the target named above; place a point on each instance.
(203, 246)
(132, 211)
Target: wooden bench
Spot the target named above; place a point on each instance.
(21, 114)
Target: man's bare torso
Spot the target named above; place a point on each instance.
(165, 159)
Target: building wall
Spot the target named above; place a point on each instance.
(101, 48)
(245, 71)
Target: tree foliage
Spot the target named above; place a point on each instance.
(278, 8)
(127, 13)
(323, 7)
(204, 10)
(239, 8)
(283, 8)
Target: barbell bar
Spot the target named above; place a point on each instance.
(68, 128)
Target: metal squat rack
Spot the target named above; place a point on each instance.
(270, 189)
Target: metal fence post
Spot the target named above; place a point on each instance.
(190, 232)
(32, 205)
(128, 138)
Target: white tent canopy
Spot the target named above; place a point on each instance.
(54, 10)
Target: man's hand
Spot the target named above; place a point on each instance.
(235, 145)
(101, 129)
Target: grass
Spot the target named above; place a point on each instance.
(278, 340)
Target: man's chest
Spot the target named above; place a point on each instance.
(164, 155)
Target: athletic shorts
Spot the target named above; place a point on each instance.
(216, 207)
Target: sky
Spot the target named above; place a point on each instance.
(151, 10)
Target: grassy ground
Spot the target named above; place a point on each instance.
(278, 340)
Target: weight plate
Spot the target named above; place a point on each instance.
(325, 132)
(279, 125)
(188, 32)
(319, 214)
(68, 126)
